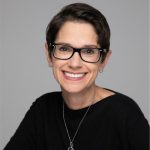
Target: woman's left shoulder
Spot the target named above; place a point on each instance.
(125, 105)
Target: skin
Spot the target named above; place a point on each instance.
(82, 91)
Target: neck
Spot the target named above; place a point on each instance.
(80, 100)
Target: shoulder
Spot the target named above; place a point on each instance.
(125, 108)
(48, 101)
(124, 101)
(49, 97)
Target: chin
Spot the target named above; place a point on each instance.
(72, 89)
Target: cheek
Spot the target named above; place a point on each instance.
(55, 64)
(56, 74)
(94, 72)
(56, 67)
(95, 69)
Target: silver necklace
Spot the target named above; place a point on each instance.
(72, 140)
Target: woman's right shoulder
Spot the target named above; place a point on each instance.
(48, 96)
(48, 99)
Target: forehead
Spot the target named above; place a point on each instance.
(77, 33)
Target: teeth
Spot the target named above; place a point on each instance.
(72, 75)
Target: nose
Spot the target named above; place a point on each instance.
(75, 61)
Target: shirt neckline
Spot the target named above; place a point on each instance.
(100, 102)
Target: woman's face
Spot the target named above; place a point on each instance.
(75, 75)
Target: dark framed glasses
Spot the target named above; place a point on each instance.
(87, 54)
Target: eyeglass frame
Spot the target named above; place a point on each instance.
(78, 50)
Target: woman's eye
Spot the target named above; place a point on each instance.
(88, 51)
(64, 48)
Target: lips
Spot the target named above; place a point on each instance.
(74, 76)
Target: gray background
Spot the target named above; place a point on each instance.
(24, 72)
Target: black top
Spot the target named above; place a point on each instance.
(114, 123)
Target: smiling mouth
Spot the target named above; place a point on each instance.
(74, 75)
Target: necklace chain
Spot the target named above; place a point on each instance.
(72, 140)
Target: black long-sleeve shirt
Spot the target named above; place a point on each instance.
(114, 123)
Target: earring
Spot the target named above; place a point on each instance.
(101, 70)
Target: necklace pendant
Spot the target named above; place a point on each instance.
(71, 146)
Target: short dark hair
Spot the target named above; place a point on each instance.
(83, 13)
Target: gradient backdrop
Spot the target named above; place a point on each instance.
(24, 72)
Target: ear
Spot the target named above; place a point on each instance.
(48, 56)
(104, 63)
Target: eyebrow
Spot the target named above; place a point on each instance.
(87, 45)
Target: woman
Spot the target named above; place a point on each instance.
(83, 115)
